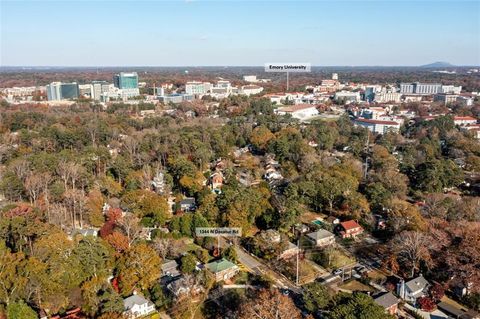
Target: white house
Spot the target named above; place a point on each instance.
(346, 97)
(464, 120)
(321, 238)
(299, 111)
(137, 306)
(413, 289)
(377, 126)
(474, 128)
(250, 89)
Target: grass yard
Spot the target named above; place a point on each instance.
(355, 285)
(331, 258)
(376, 276)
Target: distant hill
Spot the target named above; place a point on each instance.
(437, 65)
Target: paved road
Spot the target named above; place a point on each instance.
(256, 266)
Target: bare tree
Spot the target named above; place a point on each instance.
(162, 246)
(131, 227)
(411, 249)
(131, 145)
(64, 172)
(59, 215)
(21, 168)
(75, 199)
(34, 185)
(46, 179)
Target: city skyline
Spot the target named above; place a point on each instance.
(197, 33)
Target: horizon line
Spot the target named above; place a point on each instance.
(223, 66)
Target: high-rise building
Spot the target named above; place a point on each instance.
(197, 87)
(369, 94)
(420, 88)
(85, 90)
(335, 76)
(126, 80)
(407, 88)
(69, 91)
(53, 91)
(451, 89)
(99, 87)
(62, 91)
(428, 88)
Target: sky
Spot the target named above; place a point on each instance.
(238, 33)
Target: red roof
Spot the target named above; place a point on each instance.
(350, 224)
(464, 118)
(376, 121)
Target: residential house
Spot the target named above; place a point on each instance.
(222, 269)
(350, 229)
(457, 312)
(332, 220)
(184, 286)
(473, 128)
(271, 236)
(137, 306)
(188, 204)
(413, 289)
(245, 178)
(216, 181)
(321, 238)
(388, 301)
(290, 250)
(464, 120)
(170, 268)
(158, 183)
(86, 232)
(302, 228)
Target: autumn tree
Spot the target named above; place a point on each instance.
(147, 205)
(138, 267)
(260, 137)
(269, 304)
(94, 205)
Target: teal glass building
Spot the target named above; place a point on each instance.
(126, 80)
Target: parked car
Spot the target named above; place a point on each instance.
(360, 269)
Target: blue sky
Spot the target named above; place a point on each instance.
(177, 33)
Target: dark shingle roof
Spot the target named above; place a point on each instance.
(386, 300)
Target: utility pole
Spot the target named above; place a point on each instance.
(298, 252)
(287, 82)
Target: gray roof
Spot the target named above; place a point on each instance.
(167, 264)
(87, 232)
(188, 201)
(418, 283)
(450, 309)
(133, 300)
(291, 246)
(170, 267)
(386, 300)
(320, 234)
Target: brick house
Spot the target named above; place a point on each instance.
(350, 229)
